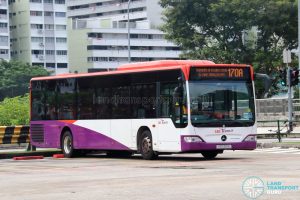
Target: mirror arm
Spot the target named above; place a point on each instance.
(266, 80)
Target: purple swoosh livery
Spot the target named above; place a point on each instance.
(83, 138)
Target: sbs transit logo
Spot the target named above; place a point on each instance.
(253, 187)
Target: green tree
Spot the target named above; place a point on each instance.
(220, 30)
(14, 111)
(15, 77)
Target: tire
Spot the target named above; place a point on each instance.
(119, 154)
(146, 147)
(67, 144)
(210, 155)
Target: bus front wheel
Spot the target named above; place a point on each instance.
(146, 146)
(209, 155)
(67, 144)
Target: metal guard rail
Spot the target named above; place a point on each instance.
(279, 130)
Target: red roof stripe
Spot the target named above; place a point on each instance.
(184, 65)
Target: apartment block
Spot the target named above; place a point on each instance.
(4, 31)
(39, 33)
(98, 34)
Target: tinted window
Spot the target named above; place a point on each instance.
(121, 102)
(143, 100)
(66, 99)
(86, 98)
(121, 96)
(38, 100)
(103, 102)
(50, 105)
(166, 98)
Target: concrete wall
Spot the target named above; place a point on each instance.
(22, 21)
(77, 46)
(154, 12)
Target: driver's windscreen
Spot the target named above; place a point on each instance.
(221, 101)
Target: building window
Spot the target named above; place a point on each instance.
(50, 65)
(36, 1)
(62, 65)
(61, 52)
(36, 13)
(11, 1)
(49, 14)
(36, 39)
(60, 1)
(3, 51)
(36, 26)
(37, 52)
(95, 35)
(50, 52)
(13, 40)
(3, 39)
(48, 1)
(61, 40)
(3, 25)
(60, 14)
(38, 64)
(49, 39)
(61, 27)
(49, 26)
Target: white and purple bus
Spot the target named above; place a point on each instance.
(151, 108)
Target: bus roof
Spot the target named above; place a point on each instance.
(143, 66)
(163, 64)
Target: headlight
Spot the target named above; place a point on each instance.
(191, 139)
(250, 138)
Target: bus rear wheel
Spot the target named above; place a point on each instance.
(209, 155)
(146, 146)
(67, 144)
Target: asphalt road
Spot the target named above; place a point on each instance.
(175, 177)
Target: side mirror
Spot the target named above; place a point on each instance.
(266, 80)
(178, 91)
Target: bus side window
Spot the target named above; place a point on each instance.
(103, 103)
(121, 102)
(166, 99)
(143, 100)
(37, 100)
(85, 94)
(66, 99)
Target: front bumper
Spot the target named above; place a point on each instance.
(203, 146)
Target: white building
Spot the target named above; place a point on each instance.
(4, 31)
(39, 33)
(98, 34)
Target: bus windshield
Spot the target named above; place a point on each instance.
(221, 103)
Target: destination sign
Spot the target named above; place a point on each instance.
(235, 73)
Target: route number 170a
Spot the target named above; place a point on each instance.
(238, 73)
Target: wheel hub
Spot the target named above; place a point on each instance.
(146, 145)
(67, 144)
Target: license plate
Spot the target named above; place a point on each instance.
(224, 146)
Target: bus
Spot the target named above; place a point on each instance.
(149, 108)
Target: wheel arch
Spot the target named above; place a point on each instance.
(66, 128)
